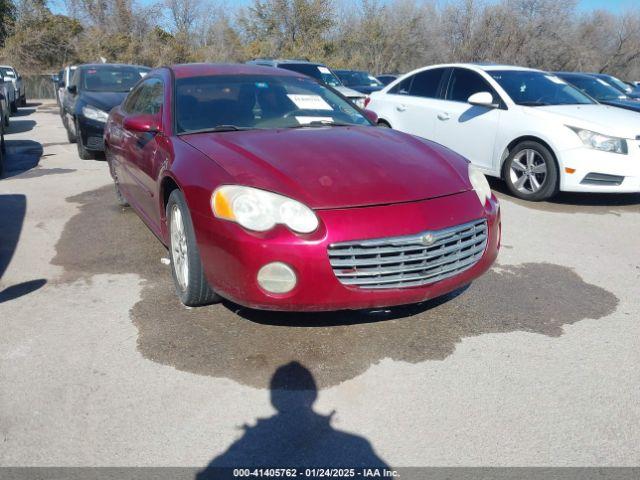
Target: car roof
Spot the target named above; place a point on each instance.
(101, 65)
(279, 61)
(573, 74)
(205, 69)
(485, 67)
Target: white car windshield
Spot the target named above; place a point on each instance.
(536, 89)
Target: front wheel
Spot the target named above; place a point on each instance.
(14, 106)
(531, 172)
(186, 267)
(83, 152)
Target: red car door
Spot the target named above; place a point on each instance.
(141, 151)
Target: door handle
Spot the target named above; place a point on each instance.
(401, 108)
(444, 116)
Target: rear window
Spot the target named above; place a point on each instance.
(109, 79)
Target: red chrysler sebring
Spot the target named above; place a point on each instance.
(275, 192)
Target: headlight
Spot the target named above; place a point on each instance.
(601, 142)
(480, 184)
(94, 113)
(260, 210)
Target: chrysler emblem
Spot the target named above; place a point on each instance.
(427, 239)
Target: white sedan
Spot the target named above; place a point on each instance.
(526, 126)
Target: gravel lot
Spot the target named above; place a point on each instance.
(537, 363)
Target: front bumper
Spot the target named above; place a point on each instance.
(91, 132)
(232, 256)
(618, 173)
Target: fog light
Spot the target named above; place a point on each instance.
(277, 277)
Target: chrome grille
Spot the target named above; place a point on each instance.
(409, 261)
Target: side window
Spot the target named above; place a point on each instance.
(130, 102)
(147, 98)
(465, 83)
(427, 83)
(403, 87)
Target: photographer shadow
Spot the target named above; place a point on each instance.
(296, 436)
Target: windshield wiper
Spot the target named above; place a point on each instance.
(219, 128)
(534, 104)
(323, 123)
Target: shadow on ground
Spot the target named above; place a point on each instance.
(246, 345)
(296, 436)
(568, 202)
(22, 160)
(13, 209)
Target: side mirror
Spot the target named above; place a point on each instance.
(482, 99)
(371, 115)
(142, 123)
(55, 78)
(72, 89)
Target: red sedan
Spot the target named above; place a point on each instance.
(275, 192)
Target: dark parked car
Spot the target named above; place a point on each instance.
(361, 81)
(600, 90)
(386, 78)
(618, 84)
(92, 92)
(271, 190)
(320, 72)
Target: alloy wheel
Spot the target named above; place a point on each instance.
(528, 171)
(179, 250)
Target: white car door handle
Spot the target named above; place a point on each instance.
(444, 116)
(401, 108)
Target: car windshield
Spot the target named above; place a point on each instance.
(239, 102)
(534, 89)
(597, 88)
(109, 79)
(7, 72)
(319, 72)
(619, 84)
(350, 78)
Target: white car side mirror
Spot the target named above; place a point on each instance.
(482, 99)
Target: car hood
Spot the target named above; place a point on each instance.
(628, 104)
(349, 92)
(336, 167)
(103, 100)
(599, 118)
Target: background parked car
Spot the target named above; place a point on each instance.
(618, 84)
(5, 106)
(10, 74)
(94, 90)
(386, 78)
(314, 70)
(359, 80)
(600, 90)
(65, 76)
(529, 127)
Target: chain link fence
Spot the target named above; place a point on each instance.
(39, 86)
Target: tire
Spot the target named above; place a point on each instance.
(3, 145)
(14, 106)
(531, 172)
(119, 197)
(71, 136)
(23, 100)
(190, 283)
(6, 120)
